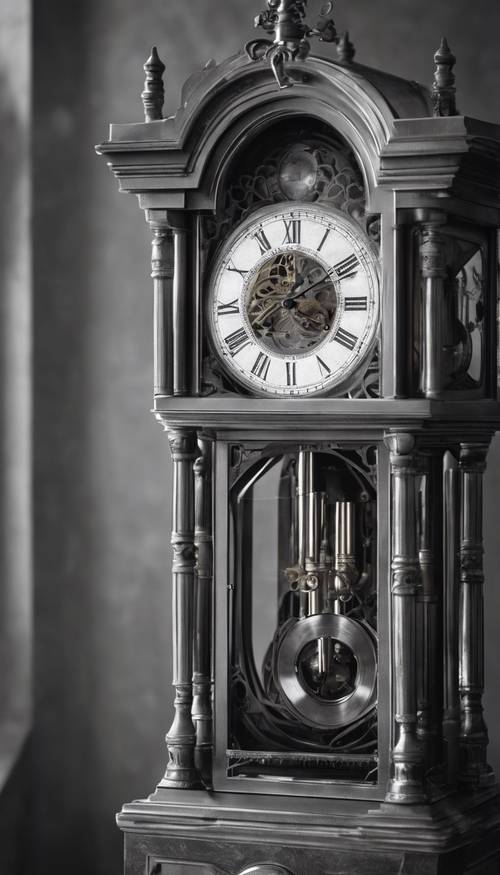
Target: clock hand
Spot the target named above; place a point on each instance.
(290, 299)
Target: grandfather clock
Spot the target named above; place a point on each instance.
(324, 268)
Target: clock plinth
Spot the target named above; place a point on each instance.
(324, 270)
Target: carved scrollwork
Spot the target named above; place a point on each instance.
(369, 384)
(327, 173)
(286, 20)
(182, 444)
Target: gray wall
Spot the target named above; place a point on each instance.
(15, 452)
(101, 463)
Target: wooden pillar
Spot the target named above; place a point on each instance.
(202, 663)
(177, 291)
(429, 692)
(473, 732)
(181, 771)
(433, 271)
(162, 264)
(451, 699)
(406, 784)
(184, 317)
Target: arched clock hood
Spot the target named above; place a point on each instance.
(388, 122)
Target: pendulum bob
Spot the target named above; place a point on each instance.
(349, 690)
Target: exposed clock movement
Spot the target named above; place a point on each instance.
(324, 267)
(294, 300)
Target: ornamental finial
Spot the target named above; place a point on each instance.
(443, 88)
(285, 19)
(153, 94)
(345, 49)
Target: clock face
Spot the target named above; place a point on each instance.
(294, 301)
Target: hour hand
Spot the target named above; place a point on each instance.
(297, 291)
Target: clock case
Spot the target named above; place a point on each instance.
(417, 423)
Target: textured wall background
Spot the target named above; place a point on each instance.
(101, 463)
(15, 401)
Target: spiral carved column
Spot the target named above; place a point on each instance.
(473, 732)
(202, 668)
(181, 771)
(406, 784)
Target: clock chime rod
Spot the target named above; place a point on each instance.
(324, 580)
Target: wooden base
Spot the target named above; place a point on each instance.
(199, 833)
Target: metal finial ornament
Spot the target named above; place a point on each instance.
(154, 94)
(286, 20)
(443, 88)
(345, 49)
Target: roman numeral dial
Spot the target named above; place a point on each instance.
(293, 302)
(348, 267)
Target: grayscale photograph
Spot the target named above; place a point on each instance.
(250, 479)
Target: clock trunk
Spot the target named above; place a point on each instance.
(324, 252)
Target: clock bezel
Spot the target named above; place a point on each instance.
(354, 377)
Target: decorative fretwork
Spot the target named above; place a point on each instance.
(329, 175)
(357, 767)
(369, 384)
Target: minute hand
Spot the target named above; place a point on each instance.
(301, 292)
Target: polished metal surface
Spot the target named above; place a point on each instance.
(265, 869)
(337, 711)
(316, 710)
(407, 784)
(181, 770)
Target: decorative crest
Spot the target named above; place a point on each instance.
(153, 94)
(443, 88)
(286, 20)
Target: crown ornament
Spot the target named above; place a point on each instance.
(285, 19)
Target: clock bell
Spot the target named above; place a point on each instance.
(324, 262)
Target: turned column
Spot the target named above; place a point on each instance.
(433, 271)
(406, 784)
(181, 771)
(162, 272)
(428, 607)
(182, 303)
(473, 732)
(176, 329)
(451, 698)
(202, 668)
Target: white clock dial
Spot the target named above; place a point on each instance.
(293, 302)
